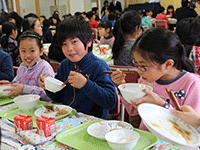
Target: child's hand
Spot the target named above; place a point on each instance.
(188, 114)
(76, 79)
(151, 97)
(118, 77)
(15, 90)
(41, 80)
(3, 82)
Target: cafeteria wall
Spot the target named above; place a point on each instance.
(29, 6)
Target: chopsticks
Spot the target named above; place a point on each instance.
(173, 98)
(66, 81)
(110, 72)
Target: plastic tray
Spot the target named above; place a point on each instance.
(78, 138)
(6, 100)
(12, 112)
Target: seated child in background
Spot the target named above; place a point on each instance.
(8, 41)
(47, 35)
(90, 91)
(6, 67)
(189, 33)
(91, 17)
(162, 66)
(26, 80)
(161, 15)
(105, 32)
(170, 11)
(145, 20)
(112, 18)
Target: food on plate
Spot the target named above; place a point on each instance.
(155, 125)
(185, 134)
(62, 112)
(50, 109)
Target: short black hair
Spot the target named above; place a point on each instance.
(46, 23)
(31, 15)
(111, 16)
(94, 9)
(43, 16)
(184, 3)
(105, 2)
(161, 9)
(105, 24)
(74, 27)
(90, 14)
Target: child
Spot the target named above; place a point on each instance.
(105, 32)
(112, 18)
(170, 11)
(90, 91)
(159, 57)
(189, 33)
(8, 41)
(126, 30)
(26, 80)
(6, 67)
(47, 35)
(92, 22)
(33, 24)
(145, 20)
(161, 15)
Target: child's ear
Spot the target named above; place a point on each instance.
(169, 63)
(41, 51)
(89, 43)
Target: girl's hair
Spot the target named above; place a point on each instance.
(161, 9)
(33, 35)
(125, 25)
(7, 28)
(188, 31)
(17, 18)
(158, 45)
(170, 7)
(75, 27)
(29, 23)
(106, 24)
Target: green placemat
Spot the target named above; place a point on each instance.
(6, 100)
(12, 112)
(78, 138)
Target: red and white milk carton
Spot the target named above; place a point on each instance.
(46, 126)
(23, 122)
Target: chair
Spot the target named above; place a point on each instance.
(161, 23)
(94, 33)
(54, 64)
(130, 78)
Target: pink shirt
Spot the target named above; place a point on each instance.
(186, 81)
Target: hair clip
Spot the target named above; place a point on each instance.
(31, 35)
(3, 35)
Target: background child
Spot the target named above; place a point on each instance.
(126, 30)
(33, 24)
(189, 33)
(161, 15)
(91, 17)
(163, 66)
(8, 41)
(170, 11)
(105, 32)
(6, 67)
(26, 80)
(91, 91)
(47, 35)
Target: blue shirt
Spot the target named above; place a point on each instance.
(97, 96)
(6, 66)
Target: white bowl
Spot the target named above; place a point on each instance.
(53, 85)
(104, 45)
(27, 102)
(122, 139)
(5, 87)
(133, 91)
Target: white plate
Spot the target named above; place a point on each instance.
(157, 120)
(40, 111)
(99, 131)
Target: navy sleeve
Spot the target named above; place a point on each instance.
(6, 69)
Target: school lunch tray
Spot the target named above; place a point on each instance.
(78, 138)
(6, 100)
(12, 112)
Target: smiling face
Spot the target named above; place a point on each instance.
(30, 51)
(74, 49)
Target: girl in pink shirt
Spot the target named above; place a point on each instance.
(159, 57)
